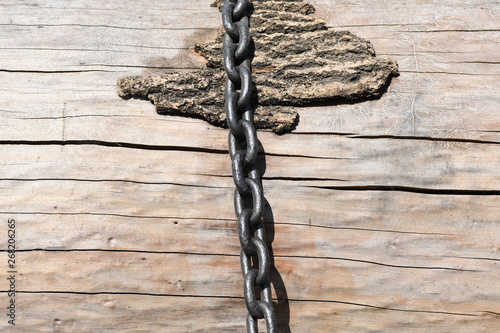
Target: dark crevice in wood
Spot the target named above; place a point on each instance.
(379, 263)
(92, 50)
(30, 71)
(491, 312)
(82, 116)
(324, 133)
(410, 189)
(304, 179)
(307, 225)
(477, 62)
(117, 215)
(233, 219)
(401, 137)
(449, 73)
(364, 229)
(310, 156)
(241, 298)
(127, 251)
(449, 30)
(386, 308)
(112, 144)
(119, 293)
(139, 66)
(152, 47)
(101, 9)
(184, 121)
(58, 49)
(106, 180)
(105, 26)
(282, 178)
(237, 255)
(423, 138)
(372, 25)
(428, 51)
(474, 258)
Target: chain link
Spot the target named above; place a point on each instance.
(243, 149)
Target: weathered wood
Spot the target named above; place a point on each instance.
(383, 215)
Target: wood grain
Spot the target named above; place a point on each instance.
(383, 215)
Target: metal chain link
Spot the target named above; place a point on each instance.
(243, 149)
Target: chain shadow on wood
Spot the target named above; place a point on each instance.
(281, 304)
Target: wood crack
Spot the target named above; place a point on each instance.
(121, 293)
(140, 66)
(127, 145)
(232, 219)
(369, 262)
(105, 26)
(30, 71)
(448, 73)
(97, 214)
(304, 179)
(410, 189)
(383, 188)
(106, 181)
(448, 30)
(83, 116)
(279, 300)
(378, 263)
(476, 258)
(477, 62)
(387, 308)
(424, 138)
(491, 312)
(293, 179)
(62, 49)
(364, 229)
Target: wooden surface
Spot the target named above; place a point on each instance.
(384, 215)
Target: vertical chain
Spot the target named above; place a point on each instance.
(243, 149)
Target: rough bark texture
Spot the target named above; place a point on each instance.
(297, 62)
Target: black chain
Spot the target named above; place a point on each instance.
(243, 149)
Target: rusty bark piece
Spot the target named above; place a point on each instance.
(297, 62)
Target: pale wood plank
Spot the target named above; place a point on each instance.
(342, 161)
(357, 248)
(119, 313)
(218, 276)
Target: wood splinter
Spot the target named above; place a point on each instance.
(297, 62)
